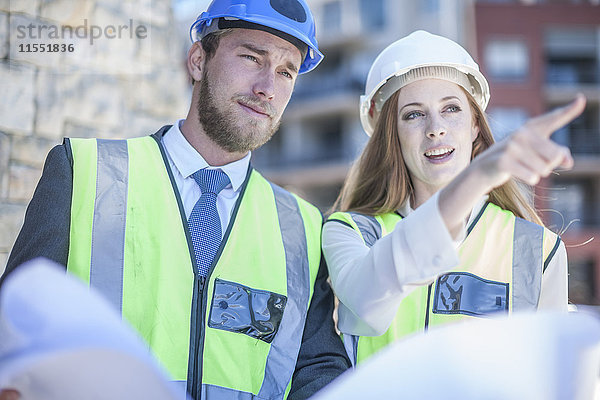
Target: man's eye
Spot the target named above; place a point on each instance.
(251, 58)
(286, 74)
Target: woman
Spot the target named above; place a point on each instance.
(432, 226)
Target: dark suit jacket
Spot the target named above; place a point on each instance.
(45, 233)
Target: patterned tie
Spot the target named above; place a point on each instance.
(204, 221)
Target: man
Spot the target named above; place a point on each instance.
(218, 269)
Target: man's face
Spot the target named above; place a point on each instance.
(245, 87)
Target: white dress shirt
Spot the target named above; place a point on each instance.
(184, 160)
(371, 282)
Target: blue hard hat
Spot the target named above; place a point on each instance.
(290, 19)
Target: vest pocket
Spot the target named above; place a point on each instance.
(238, 308)
(464, 293)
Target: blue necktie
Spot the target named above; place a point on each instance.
(204, 221)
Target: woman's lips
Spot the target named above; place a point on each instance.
(439, 155)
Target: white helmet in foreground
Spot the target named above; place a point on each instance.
(420, 55)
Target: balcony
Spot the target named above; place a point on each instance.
(580, 141)
(310, 142)
(272, 157)
(324, 93)
(572, 72)
(326, 84)
(573, 204)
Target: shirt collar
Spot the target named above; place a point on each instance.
(406, 209)
(187, 160)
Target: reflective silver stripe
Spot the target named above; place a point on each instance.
(108, 231)
(351, 346)
(527, 265)
(221, 393)
(370, 229)
(368, 226)
(284, 350)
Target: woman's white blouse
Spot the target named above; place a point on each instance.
(371, 282)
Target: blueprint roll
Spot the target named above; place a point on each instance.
(59, 339)
(541, 356)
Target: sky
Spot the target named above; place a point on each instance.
(184, 9)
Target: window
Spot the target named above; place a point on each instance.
(311, 142)
(372, 15)
(571, 56)
(323, 140)
(507, 59)
(582, 135)
(573, 203)
(505, 120)
(271, 153)
(330, 77)
(581, 282)
(332, 17)
(430, 6)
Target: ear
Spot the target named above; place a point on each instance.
(195, 61)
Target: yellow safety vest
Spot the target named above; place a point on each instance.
(129, 239)
(501, 263)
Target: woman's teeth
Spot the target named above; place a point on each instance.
(438, 152)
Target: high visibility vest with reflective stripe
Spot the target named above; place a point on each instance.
(129, 239)
(501, 263)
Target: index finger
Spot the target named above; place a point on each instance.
(548, 123)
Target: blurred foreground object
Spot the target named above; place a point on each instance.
(61, 340)
(542, 356)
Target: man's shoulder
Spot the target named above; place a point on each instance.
(59, 155)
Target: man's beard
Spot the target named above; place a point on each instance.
(220, 124)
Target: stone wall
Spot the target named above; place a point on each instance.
(108, 86)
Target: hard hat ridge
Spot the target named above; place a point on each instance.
(429, 72)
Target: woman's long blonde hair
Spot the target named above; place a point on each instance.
(379, 182)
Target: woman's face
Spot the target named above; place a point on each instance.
(436, 130)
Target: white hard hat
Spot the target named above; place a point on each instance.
(420, 55)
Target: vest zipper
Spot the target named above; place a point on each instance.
(201, 298)
(428, 306)
(199, 338)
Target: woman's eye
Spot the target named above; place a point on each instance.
(412, 115)
(453, 109)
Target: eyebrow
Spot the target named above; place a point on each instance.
(255, 49)
(409, 104)
(262, 52)
(420, 104)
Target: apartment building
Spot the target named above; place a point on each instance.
(537, 55)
